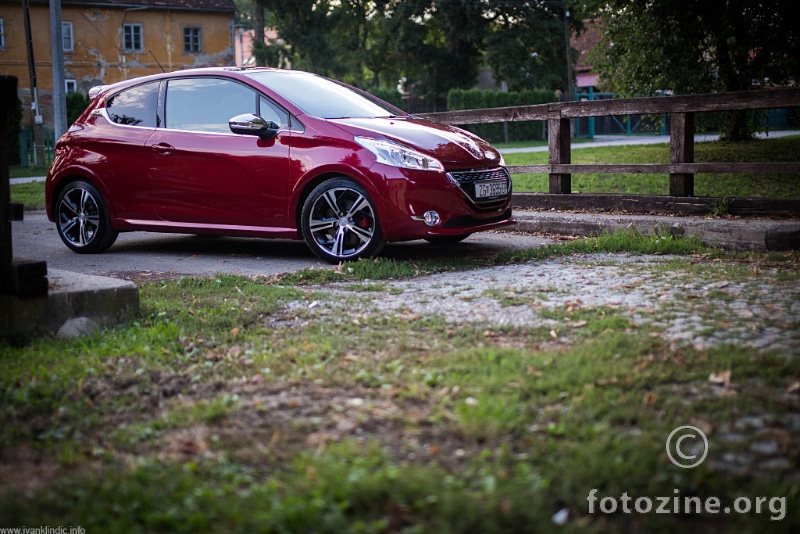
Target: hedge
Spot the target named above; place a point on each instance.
(517, 131)
(391, 96)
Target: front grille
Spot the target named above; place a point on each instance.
(466, 180)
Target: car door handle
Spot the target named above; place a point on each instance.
(163, 148)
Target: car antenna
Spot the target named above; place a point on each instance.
(154, 57)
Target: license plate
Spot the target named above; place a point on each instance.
(491, 189)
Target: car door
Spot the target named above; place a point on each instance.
(115, 147)
(202, 173)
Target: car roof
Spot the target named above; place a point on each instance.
(229, 71)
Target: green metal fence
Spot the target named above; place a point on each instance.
(26, 148)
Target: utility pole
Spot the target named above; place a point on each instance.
(38, 127)
(59, 89)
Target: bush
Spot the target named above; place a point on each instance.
(76, 103)
(391, 96)
(494, 133)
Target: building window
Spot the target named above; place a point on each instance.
(191, 39)
(66, 35)
(132, 38)
(2, 36)
(70, 86)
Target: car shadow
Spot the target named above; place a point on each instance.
(178, 245)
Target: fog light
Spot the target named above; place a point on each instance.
(431, 218)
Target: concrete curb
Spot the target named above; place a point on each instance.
(735, 234)
(106, 301)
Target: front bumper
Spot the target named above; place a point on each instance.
(410, 194)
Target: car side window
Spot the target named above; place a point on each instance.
(271, 112)
(136, 106)
(206, 104)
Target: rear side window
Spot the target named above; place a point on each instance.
(136, 106)
(207, 104)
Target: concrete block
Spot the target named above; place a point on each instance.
(106, 301)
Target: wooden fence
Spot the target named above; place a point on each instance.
(681, 167)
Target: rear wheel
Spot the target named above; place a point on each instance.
(340, 223)
(82, 219)
(447, 239)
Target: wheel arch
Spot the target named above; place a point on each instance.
(311, 184)
(75, 175)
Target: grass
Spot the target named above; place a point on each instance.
(239, 405)
(26, 172)
(786, 149)
(30, 195)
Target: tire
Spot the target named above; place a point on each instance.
(447, 240)
(340, 223)
(82, 219)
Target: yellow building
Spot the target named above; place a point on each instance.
(106, 41)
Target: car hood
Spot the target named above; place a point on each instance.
(454, 147)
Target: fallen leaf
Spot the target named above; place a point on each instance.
(530, 370)
(649, 398)
(720, 379)
(601, 382)
(704, 426)
(235, 331)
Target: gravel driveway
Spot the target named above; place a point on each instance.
(703, 303)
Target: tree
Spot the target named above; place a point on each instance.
(696, 46)
(431, 45)
(526, 46)
(244, 14)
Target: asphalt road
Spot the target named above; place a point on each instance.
(137, 255)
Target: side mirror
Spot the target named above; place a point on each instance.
(249, 124)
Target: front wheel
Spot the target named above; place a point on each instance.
(340, 223)
(82, 219)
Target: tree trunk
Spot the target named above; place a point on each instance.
(258, 22)
(735, 127)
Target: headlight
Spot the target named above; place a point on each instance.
(397, 155)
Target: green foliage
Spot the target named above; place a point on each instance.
(271, 53)
(495, 133)
(526, 45)
(698, 47)
(392, 96)
(76, 103)
(429, 46)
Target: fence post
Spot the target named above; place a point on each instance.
(8, 89)
(21, 278)
(559, 151)
(681, 150)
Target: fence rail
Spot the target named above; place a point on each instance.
(681, 167)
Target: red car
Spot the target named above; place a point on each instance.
(261, 152)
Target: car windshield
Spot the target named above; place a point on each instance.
(320, 97)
